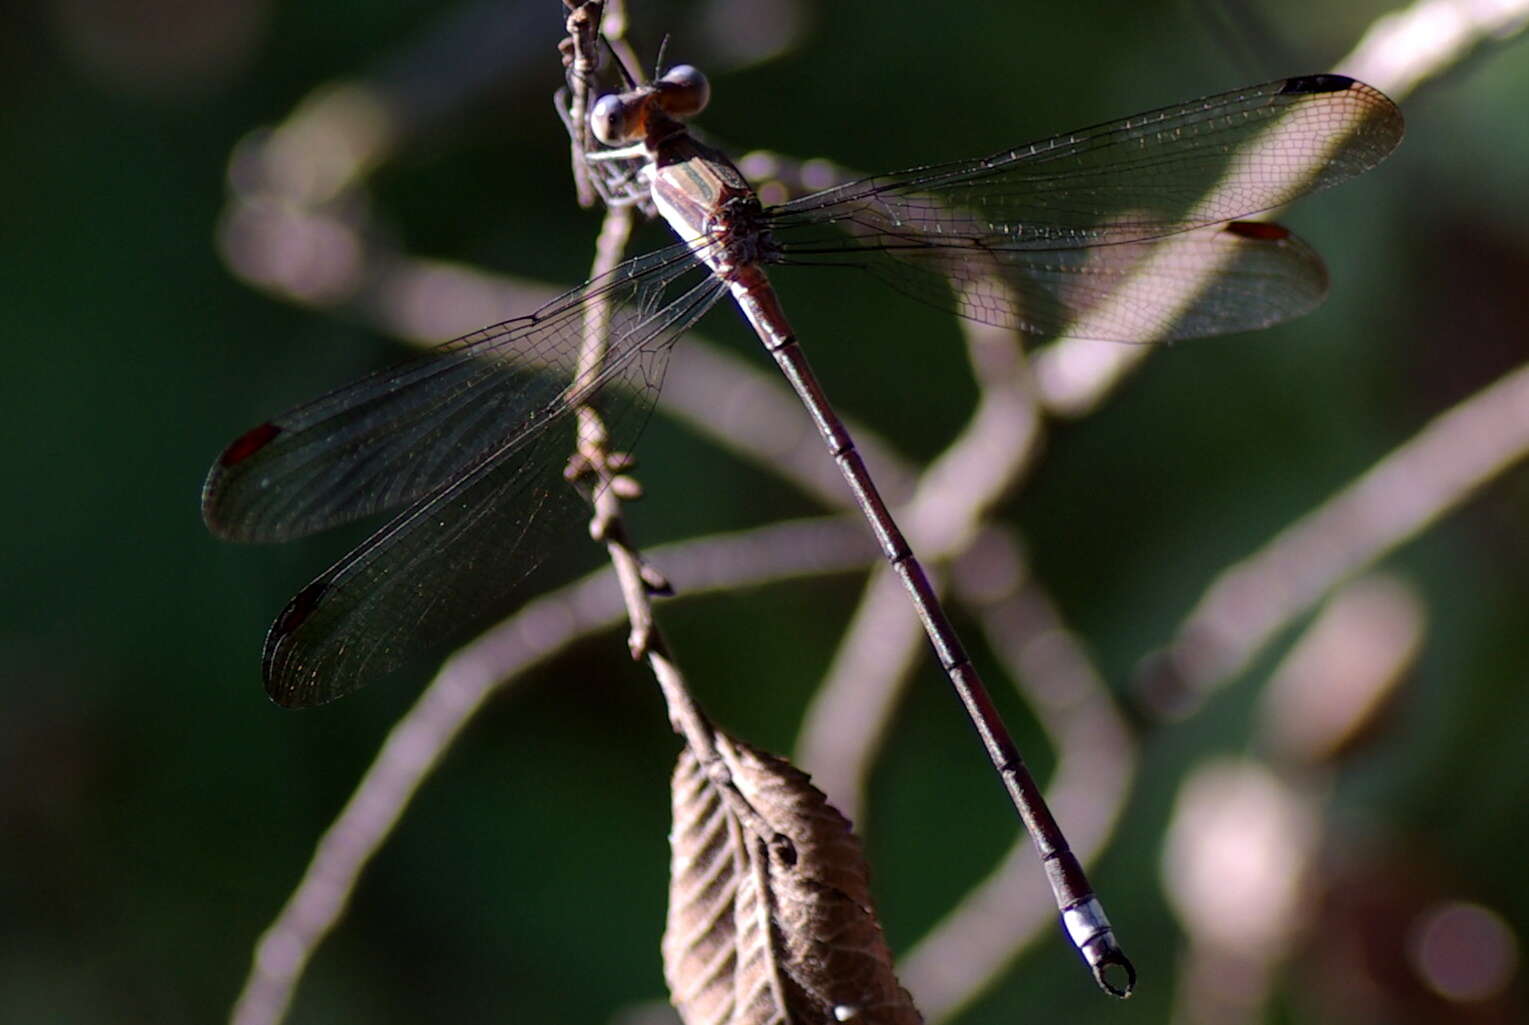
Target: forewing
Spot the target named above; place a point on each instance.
(1038, 237)
(446, 568)
(397, 434)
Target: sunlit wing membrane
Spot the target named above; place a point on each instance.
(1065, 222)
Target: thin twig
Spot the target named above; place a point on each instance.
(636, 580)
(581, 58)
(639, 581)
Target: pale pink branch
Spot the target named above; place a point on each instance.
(1400, 496)
(346, 128)
(850, 713)
(1343, 673)
(1407, 47)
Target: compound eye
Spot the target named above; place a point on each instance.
(612, 120)
(683, 91)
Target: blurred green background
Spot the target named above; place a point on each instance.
(155, 809)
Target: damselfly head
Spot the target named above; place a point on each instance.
(621, 118)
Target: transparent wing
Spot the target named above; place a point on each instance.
(1040, 237)
(395, 435)
(446, 568)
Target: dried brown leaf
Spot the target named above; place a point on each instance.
(770, 917)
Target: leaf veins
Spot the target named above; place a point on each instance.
(770, 916)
